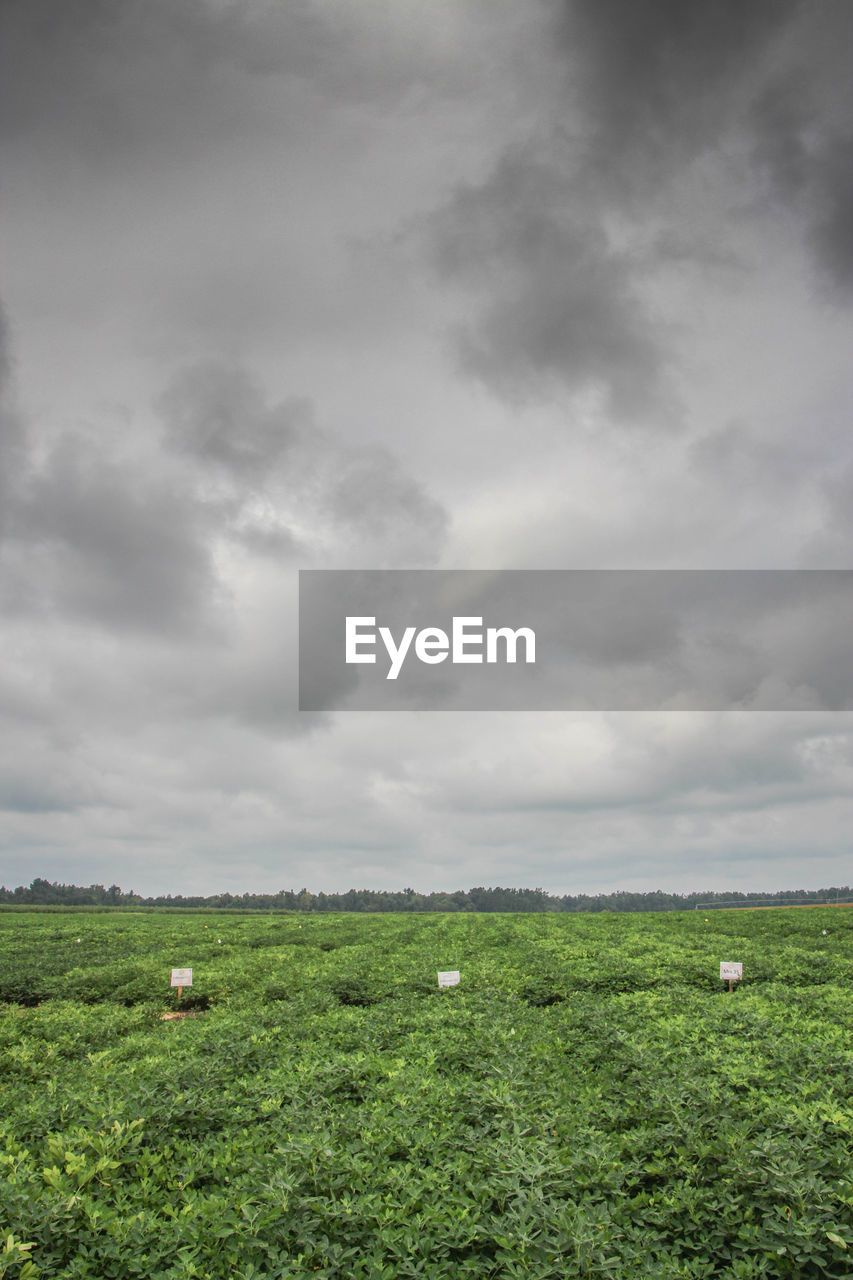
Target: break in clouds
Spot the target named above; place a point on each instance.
(370, 286)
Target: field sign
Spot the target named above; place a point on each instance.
(448, 977)
(731, 970)
(182, 978)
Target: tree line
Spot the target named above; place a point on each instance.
(46, 893)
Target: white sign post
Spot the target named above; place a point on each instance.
(731, 970)
(448, 977)
(182, 978)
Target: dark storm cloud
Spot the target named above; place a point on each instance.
(556, 303)
(816, 179)
(656, 76)
(121, 549)
(803, 141)
(664, 82)
(832, 231)
(557, 245)
(780, 117)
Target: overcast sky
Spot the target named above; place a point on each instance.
(461, 284)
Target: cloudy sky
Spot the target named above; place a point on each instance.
(458, 284)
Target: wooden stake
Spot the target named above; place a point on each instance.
(731, 986)
(180, 989)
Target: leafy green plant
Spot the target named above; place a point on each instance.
(335, 1114)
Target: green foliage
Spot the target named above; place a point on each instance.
(589, 1102)
(45, 895)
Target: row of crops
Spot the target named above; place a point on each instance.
(589, 1101)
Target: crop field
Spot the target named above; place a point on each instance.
(590, 1100)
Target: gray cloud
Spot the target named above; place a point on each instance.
(369, 491)
(556, 304)
(832, 230)
(657, 78)
(102, 80)
(615, 218)
(196, 541)
(576, 229)
(781, 116)
(103, 76)
(736, 459)
(661, 766)
(126, 552)
(12, 433)
(285, 473)
(217, 415)
(803, 142)
(47, 790)
(832, 543)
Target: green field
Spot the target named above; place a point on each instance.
(589, 1101)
